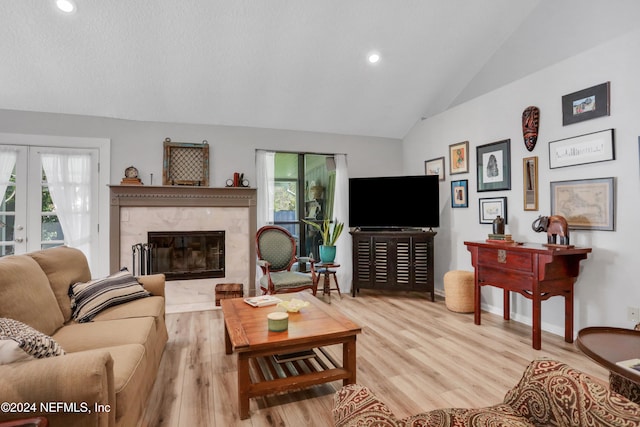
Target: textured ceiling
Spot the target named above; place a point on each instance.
(286, 64)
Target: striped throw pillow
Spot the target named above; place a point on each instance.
(90, 298)
(19, 341)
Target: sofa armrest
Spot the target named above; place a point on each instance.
(83, 381)
(568, 397)
(356, 405)
(153, 283)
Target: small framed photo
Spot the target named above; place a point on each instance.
(530, 183)
(590, 148)
(459, 158)
(586, 204)
(492, 207)
(460, 194)
(435, 167)
(586, 104)
(494, 166)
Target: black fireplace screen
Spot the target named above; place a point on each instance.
(182, 255)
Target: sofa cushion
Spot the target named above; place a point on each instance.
(75, 337)
(498, 415)
(26, 296)
(74, 269)
(144, 307)
(551, 393)
(90, 298)
(19, 342)
(128, 375)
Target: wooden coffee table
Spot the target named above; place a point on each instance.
(314, 327)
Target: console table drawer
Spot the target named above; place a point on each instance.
(504, 258)
(513, 280)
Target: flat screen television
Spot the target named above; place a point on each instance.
(394, 202)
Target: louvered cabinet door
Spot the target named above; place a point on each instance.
(398, 260)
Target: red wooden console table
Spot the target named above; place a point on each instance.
(538, 272)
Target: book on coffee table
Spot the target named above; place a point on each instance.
(298, 355)
(632, 364)
(262, 300)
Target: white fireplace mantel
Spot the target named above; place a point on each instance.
(124, 197)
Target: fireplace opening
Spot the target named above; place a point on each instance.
(183, 255)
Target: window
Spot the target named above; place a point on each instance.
(304, 186)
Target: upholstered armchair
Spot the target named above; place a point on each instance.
(276, 250)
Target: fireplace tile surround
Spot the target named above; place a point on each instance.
(136, 210)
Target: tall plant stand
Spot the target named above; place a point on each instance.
(327, 270)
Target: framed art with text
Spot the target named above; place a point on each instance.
(492, 207)
(586, 104)
(459, 158)
(590, 148)
(586, 204)
(460, 194)
(530, 183)
(435, 167)
(494, 166)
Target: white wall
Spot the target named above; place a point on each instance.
(608, 281)
(232, 149)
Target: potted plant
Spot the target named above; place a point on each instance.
(329, 238)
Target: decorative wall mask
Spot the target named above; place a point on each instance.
(530, 122)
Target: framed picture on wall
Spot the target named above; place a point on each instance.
(459, 158)
(586, 204)
(492, 207)
(435, 167)
(530, 183)
(459, 194)
(590, 148)
(586, 104)
(494, 166)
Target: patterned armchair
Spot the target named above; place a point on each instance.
(550, 393)
(276, 250)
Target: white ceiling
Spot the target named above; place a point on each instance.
(287, 64)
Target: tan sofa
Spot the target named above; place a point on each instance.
(550, 393)
(111, 361)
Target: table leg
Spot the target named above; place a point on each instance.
(243, 386)
(568, 316)
(349, 360)
(335, 277)
(536, 331)
(506, 305)
(476, 300)
(227, 340)
(327, 284)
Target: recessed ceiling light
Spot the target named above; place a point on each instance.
(373, 57)
(67, 6)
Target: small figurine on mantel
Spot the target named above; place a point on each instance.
(131, 177)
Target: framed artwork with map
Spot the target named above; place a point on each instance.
(586, 204)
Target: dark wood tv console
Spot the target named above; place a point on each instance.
(393, 260)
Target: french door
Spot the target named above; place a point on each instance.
(35, 181)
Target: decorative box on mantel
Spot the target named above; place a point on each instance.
(186, 199)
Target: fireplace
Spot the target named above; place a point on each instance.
(137, 210)
(183, 255)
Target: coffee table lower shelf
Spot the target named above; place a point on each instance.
(269, 376)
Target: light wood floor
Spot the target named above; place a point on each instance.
(414, 354)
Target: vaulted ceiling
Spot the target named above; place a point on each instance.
(287, 64)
